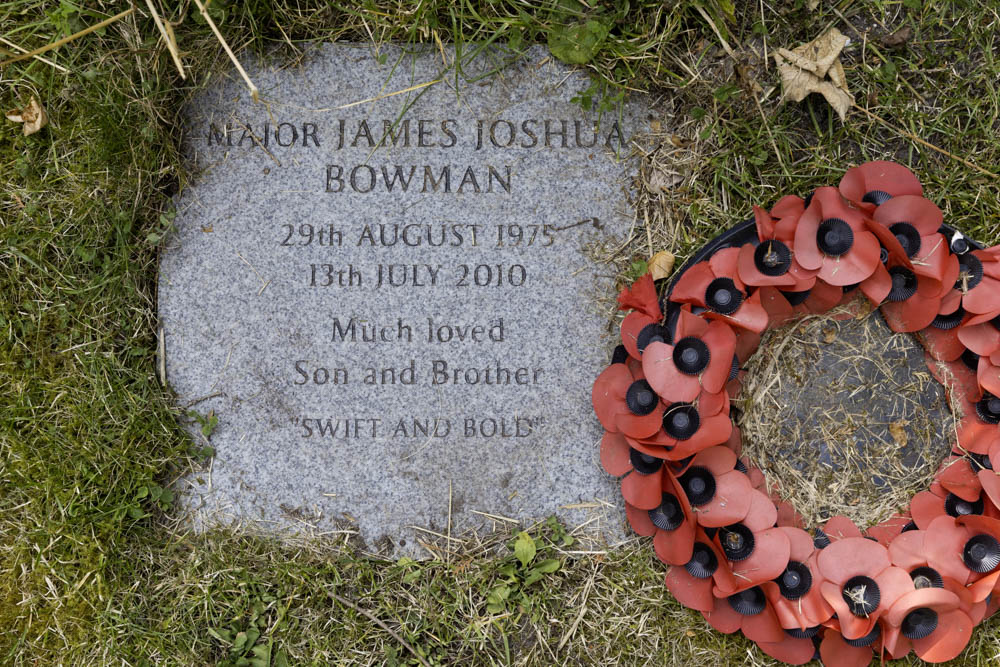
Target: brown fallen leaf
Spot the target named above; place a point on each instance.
(899, 37)
(661, 264)
(815, 68)
(33, 116)
(898, 431)
(829, 335)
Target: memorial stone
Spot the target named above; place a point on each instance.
(381, 283)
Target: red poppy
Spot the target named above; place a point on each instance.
(926, 506)
(699, 361)
(716, 286)
(798, 650)
(748, 611)
(929, 620)
(670, 524)
(795, 593)
(921, 271)
(872, 184)
(984, 339)
(977, 428)
(692, 583)
(689, 428)
(770, 262)
(625, 402)
(643, 484)
(832, 237)
(644, 323)
(719, 494)
(860, 583)
(979, 280)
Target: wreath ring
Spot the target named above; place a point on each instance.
(922, 579)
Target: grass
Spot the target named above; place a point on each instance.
(94, 568)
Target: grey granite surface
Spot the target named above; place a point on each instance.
(474, 396)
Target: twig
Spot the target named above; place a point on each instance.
(382, 97)
(56, 44)
(254, 93)
(347, 603)
(44, 60)
(168, 38)
(922, 142)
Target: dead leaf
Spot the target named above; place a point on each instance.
(829, 335)
(815, 68)
(33, 116)
(898, 431)
(661, 180)
(898, 38)
(661, 264)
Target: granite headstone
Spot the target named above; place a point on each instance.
(379, 283)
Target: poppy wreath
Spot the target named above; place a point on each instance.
(918, 581)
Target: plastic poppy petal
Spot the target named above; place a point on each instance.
(894, 583)
(959, 478)
(888, 530)
(788, 516)
(675, 547)
(644, 492)
(768, 560)
(717, 460)
(948, 640)
(710, 404)
(730, 503)
(805, 250)
(911, 315)
(856, 265)
(800, 543)
(762, 514)
(641, 296)
(988, 376)
(723, 617)
(974, 435)
(981, 524)
(763, 627)
(721, 342)
(790, 650)
(639, 520)
(851, 556)
(943, 546)
(663, 376)
(990, 482)
(632, 325)
(984, 297)
(878, 285)
(840, 527)
(691, 286)
(763, 222)
(925, 507)
(907, 550)
(751, 315)
(608, 394)
(615, 454)
(787, 209)
(838, 653)
(983, 339)
(941, 344)
(690, 591)
(723, 263)
(912, 209)
(640, 426)
(880, 175)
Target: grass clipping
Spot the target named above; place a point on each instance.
(844, 417)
